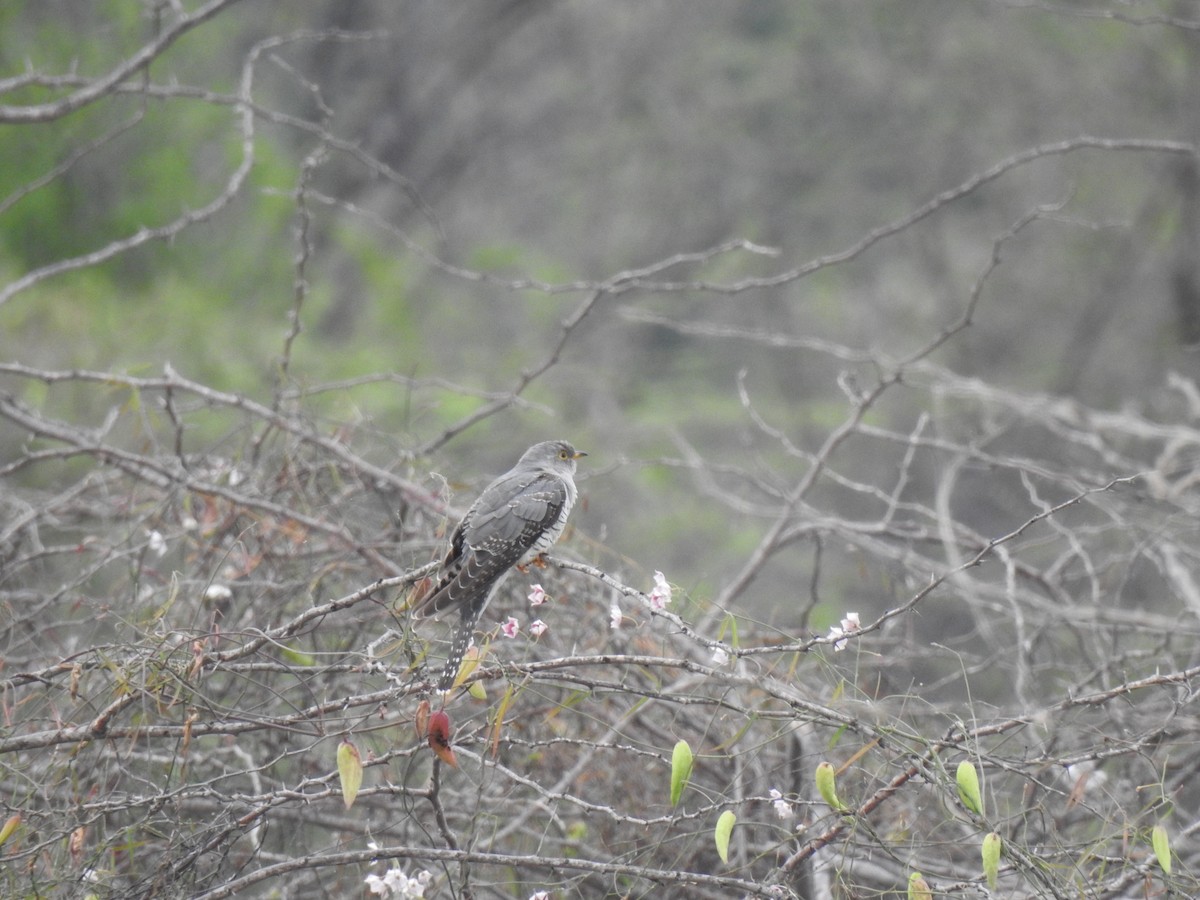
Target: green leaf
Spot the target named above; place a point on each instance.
(350, 771)
(298, 657)
(10, 826)
(918, 887)
(722, 832)
(990, 851)
(477, 691)
(827, 786)
(681, 770)
(968, 787)
(729, 625)
(498, 719)
(1161, 842)
(470, 662)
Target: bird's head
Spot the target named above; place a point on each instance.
(553, 455)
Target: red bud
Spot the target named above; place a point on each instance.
(439, 738)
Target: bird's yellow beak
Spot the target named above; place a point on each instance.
(578, 453)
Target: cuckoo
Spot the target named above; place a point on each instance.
(517, 518)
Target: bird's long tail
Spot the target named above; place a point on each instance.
(459, 643)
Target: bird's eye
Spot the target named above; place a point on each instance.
(562, 454)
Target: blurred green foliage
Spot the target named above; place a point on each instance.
(535, 154)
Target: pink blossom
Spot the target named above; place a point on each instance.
(537, 596)
(615, 617)
(660, 594)
(538, 628)
(510, 628)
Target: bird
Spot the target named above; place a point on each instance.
(516, 519)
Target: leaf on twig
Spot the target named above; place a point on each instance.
(350, 771)
(1161, 841)
(722, 832)
(10, 825)
(968, 787)
(498, 719)
(470, 662)
(421, 719)
(681, 769)
(990, 852)
(918, 887)
(827, 787)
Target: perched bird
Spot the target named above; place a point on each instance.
(517, 518)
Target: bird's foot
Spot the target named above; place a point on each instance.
(538, 562)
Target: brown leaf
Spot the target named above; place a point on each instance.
(75, 844)
(421, 721)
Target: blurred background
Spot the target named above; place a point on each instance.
(471, 173)
(841, 297)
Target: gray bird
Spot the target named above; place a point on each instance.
(518, 517)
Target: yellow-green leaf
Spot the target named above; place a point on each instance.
(1161, 842)
(827, 786)
(498, 719)
(681, 769)
(350, 770)
(968, 787)
(918, 887)
(991, 858)
(723, 830)
(470, 662)
(298, 657)
(729, 624)
(10, 825)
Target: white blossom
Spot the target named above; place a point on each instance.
(395, 885)
(783, 808)
(217, 593)
(850, 623)
(157, 543)
(660, 594)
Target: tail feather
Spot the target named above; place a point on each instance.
(459, 643)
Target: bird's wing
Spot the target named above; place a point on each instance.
(503, 524)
